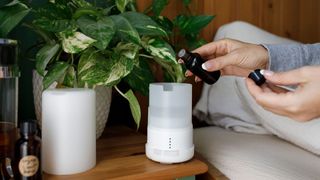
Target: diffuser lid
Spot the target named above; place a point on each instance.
(170, 105)
(167, 95)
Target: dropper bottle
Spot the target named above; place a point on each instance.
(27, 153)
(193, 62)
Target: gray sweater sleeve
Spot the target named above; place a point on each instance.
(283, 57)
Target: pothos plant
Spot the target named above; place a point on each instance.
(86, 45)
(90, 44)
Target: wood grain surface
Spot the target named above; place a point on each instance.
(121, 155)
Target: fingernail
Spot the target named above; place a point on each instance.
(188, 73)
(266, 72)
(204, 66)
(180, 61)
(197, 79)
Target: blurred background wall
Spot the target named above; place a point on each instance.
(295, 19)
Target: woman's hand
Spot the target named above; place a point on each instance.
(232, 57)
(303, 104)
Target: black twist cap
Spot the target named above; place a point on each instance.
(28, 127)
(184, 54)
(8, 52)
(257, 77)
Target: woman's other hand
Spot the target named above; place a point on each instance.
(303, 104)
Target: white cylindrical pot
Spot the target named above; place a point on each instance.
(170, 131)
(68, 130)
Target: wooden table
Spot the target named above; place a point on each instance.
(121, 155)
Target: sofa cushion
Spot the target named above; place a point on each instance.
(252, 156)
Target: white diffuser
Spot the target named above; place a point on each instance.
(170, 131)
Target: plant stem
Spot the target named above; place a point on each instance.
(120, 92)
(132, 6)
(148, 10)
(75, 81)
(40, 32)
(146, 56)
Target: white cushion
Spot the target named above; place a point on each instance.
(246, 32)
(252, 156)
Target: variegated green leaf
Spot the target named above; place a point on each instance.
(160, 49)
(98, 69)
(75, 42)
(164, 55)
(125, 31)
(70, 77)
(121, 5)
(44, 55)
(134, 107)
(55, 73)
(128, 50)
(144, 24)
(86, 60)
(102, 29)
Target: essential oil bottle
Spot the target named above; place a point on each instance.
(193, 62)
(27, 153)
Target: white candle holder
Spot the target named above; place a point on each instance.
(68, 130)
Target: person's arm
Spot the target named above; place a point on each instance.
(284, 57)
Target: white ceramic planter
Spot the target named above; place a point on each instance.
(103, 102)
(68, 130)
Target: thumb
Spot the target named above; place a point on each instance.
(293, 77)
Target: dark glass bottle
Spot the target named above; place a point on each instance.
(27, 153)
(193, 62)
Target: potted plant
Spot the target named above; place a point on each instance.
(100, 44)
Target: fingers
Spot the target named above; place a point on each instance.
(211, 48)
(268, 99)
(292, 77)
(276, 89)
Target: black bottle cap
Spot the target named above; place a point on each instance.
(28, 127)
(184, 54)
(257, 77)
(8, 52)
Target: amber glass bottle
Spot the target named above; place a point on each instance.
(27, 153)
(193, 62)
